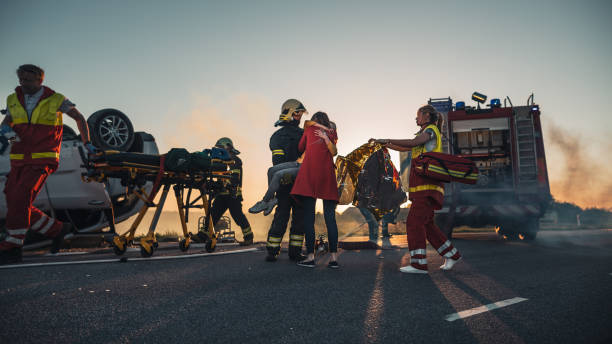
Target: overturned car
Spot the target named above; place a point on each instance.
(67, 197)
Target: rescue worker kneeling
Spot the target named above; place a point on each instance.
(426, 196)
(231, 196)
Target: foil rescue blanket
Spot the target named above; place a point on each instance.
(367, 178)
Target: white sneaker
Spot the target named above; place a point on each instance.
(409, 269)
(449, 263)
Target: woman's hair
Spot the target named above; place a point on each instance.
(321, 118)
(434, 115)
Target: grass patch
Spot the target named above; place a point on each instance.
(167, 236)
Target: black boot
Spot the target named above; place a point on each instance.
(10, 256)
(297, 257)
(58, 240)
(272, 256)
(295, 254)
(248, 240)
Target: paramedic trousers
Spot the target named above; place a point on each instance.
(420, 225)
(222, 203)
(287, 207)
(21, 188)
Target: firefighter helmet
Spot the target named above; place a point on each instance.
(226, 141)
(288, 108)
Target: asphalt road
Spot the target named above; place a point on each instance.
(565, 277)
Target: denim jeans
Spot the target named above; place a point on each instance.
(275, 173)
(329, 213)
(373, 224)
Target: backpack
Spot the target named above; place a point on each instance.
(446, 168)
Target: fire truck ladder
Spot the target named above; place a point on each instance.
(525, 143)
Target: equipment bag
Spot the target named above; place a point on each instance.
(446, 168)
(200, 161)
(177, 160)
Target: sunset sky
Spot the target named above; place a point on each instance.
(189, 72)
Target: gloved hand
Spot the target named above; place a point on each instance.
(91, 149)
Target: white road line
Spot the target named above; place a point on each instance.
(482, 309)
(64, 254)
(115, 260)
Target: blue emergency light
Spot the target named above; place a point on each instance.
(495, 102)
(535, 108)
(460, 106)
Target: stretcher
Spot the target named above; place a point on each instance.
(135, 170)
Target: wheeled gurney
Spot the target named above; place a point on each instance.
(135, 170)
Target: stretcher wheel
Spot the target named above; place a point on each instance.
(119, 251)
(210, 247)
(119, 245)
(183, 245)
(146, 251)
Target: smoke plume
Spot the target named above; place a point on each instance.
(585, 178)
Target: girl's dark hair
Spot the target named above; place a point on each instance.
(30, 68)
(321, 118)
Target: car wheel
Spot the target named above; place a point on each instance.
(111, 129)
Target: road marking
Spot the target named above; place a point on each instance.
(64, 254)
(482, 309)
(115, 260)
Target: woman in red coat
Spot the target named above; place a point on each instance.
(317, 179)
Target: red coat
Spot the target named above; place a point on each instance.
(317, 175)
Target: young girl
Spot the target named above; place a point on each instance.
(426, 196)
(317, 179)
(284, 170)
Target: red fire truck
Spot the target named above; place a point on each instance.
(506, 143)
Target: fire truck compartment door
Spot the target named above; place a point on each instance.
(465, 125)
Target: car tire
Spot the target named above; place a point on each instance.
(111, 129)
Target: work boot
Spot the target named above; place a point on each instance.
(271, 257)
(199, 237)
(58, 240)
(297, 257)
(10, 256)
(248, 240)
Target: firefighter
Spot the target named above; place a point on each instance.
(231, 195)
(426, 196)
(34, 113)
(284, 146)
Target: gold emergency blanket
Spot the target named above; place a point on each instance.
(348, 169)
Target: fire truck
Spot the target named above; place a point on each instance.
(506, 143)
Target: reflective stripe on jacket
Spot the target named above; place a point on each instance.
(425, 187)
(40, 136)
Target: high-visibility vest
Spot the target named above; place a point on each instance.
(420, 187)
(40, 136)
